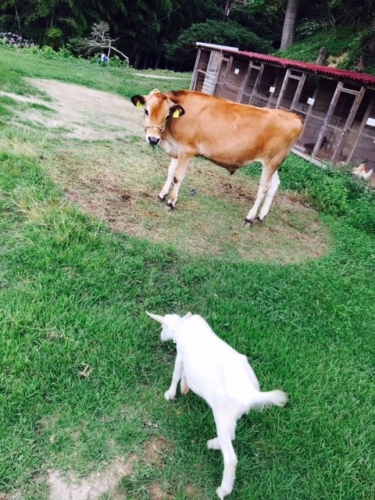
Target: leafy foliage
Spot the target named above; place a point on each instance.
(229, 33)
(148, 31)
(336, 40)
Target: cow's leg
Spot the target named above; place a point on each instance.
(179, 176)
(275, 183)
(171, 170)
(267, 187)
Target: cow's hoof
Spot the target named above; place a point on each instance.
(161, 198)
(248, 221)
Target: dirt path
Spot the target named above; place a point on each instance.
(86, 113)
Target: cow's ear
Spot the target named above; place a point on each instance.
(138, 101)
(177, 111)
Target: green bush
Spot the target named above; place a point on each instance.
(64, 53)
(229, 33)
(332, 192)
(47, 52)
(116, 61)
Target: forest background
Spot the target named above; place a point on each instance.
(162, 33)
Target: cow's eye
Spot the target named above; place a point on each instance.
(146, 112)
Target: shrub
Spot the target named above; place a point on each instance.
(64, 53)
(332, 192)
(48, 52)
(229, 33)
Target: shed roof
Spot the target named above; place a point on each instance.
(303, 66)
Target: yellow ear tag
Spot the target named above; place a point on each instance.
(139, 105)
(176, 114)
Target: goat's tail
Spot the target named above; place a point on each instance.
(277, 397)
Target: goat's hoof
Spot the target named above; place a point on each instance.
(248, 221)
(222, 493)
(169, 395)
(161, 198)
(259, 219)
(170, 206)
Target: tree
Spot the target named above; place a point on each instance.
(100, 40)
(289, 24)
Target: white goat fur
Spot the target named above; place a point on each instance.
(221, 376)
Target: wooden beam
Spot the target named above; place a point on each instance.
(297, 94)
(244, 83)
(348, 124)
(194, 77)
(283, 88)
(309, 111)
(229, 65)
(257, 82)
(328, 117)
(272, 98)
(361, 128)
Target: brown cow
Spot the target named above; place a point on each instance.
(188, 123)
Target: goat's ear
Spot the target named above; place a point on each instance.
(138, 101)
(156, 317)
(188, 315)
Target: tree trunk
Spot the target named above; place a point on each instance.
(289, 24)
(157, 62)
(17, 18)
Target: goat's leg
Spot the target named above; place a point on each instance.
(171, 170)
(179, 176)
(183, 385)
(214, 444)
(225, 425)
(177, 373)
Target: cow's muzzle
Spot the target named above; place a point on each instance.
(154, 141)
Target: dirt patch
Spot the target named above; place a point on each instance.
(156, 492)
(83, 113)
(91, 488)
(156, 451)
(119, 184)
(115, 176)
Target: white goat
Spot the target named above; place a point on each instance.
(221, 376)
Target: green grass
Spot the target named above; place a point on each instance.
(73, 293)
(18, 64)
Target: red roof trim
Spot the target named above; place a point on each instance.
(313, 68)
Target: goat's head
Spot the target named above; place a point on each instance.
(169, 324)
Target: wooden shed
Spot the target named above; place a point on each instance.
(337, 106)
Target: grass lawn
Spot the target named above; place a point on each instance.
(83, 371)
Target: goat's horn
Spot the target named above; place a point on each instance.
(156, 317)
